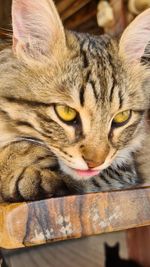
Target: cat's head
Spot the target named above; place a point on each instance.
(85, 97)
(111, 252)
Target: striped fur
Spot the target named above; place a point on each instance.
(38, 152)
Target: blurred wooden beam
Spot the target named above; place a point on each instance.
(39, 222)
(90, 27)
(72, 9)
(82, 16)
(64, 4)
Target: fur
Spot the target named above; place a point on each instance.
(93, 75)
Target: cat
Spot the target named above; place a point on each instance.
(112, 258)
(73, 107)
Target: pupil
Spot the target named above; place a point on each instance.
(67, 110)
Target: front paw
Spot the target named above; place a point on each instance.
(39, 183)
(32, 183)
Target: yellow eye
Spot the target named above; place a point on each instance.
(65, 113)
(121, 118)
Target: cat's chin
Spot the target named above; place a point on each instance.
(76, 173)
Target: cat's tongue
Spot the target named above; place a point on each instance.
(88, 173)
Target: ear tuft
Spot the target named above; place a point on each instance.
(37, 28)
(135, 38)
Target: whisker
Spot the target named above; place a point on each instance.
(5, 33)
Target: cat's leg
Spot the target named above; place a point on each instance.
(28, 171)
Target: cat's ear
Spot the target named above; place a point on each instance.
(37, 28)
(136, 38)
(117, 246)
(107, 248)
(106, 245)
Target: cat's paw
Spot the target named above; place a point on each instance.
(33, 183)
(39, 183)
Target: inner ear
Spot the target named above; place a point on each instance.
(135, 39)
(37, 28)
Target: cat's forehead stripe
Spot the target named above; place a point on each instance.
(81, 95)
(112, 89)
(93, 58)
(84, 54)
(106, 88)
(120, 99)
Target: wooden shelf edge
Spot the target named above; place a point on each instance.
(39, 222)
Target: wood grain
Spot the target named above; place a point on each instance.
(63, 5)
(138, 243)
(28, 224)
(76, 6)
(84, 15)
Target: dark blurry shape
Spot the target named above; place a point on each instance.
(2, 261)
(112, 258)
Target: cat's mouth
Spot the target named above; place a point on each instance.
(86, 173)
(78, 173)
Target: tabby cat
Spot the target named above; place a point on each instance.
(112, 258)
(73, 107)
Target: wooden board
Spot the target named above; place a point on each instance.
(27, 224)
(138, 243)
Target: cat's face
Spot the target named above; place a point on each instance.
(88, 106)
(100, 121)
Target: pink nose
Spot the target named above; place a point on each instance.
(93, 164)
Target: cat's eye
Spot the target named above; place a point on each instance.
(121, 118)
(65, 113)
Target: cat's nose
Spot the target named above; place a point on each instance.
(93, 164)
(95, 156)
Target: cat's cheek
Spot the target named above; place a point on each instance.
(67, 170)
(124, 155)
(137, 143)
(115, 135)
(77, 163)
